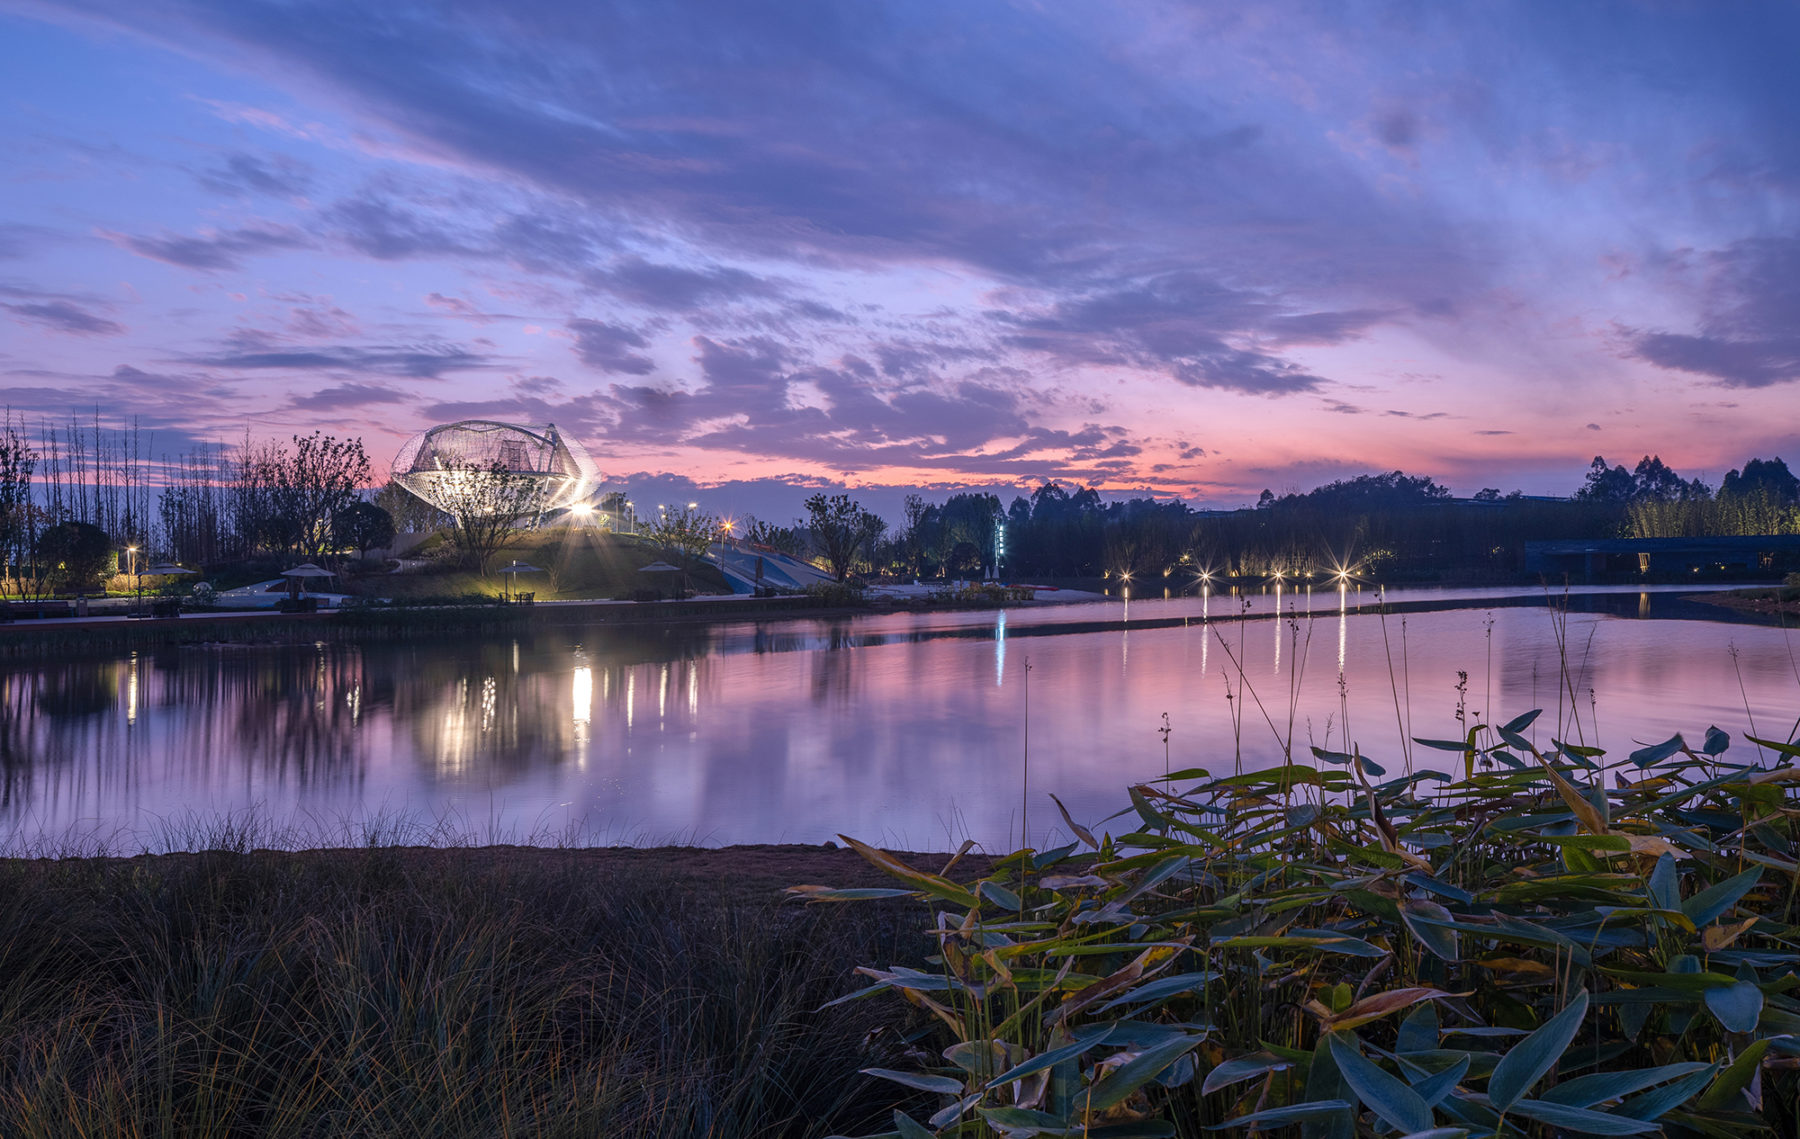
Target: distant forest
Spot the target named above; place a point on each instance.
(1392, 526)
(71, 504)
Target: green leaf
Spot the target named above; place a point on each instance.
(1778, 749)
(1049, 1059)
(1243, 1068)
(1705, 907)
(1000, 896)
(1580, 1120)
(1734, 1078)
(1433, 1088)
(1586, 1091)
(1656, 753)
(1442, 745)
(1154, 820)
(1520, 723)
(1024, 1119)
(909, 1127)
(1738, 1006)
(933, 884)
(1419, 1032)
(1325, 1082)
(1136, 1072)
(1527, 1061)
(1163, 988)
(1384, 1094)
(1075, 828)
(943, 1085)
(1440, 941)
(1515, 741)
(1716, 742)
(1653, 1104)
(1293, 1113)
(1665, 884)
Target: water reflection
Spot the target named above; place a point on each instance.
(897, 728)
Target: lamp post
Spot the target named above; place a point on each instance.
(137, 580)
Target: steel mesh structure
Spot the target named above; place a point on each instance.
(559, 467)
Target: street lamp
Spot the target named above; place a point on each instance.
(137, 579)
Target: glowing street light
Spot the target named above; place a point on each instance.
(137, 579)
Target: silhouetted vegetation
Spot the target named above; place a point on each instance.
(1391, 526)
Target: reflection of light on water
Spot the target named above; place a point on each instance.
(1000, 649)
(693, 685)
(1343, 624)
(490, 691)
(515, 658)
(131, 691)
(453, 757)
(1206, 634)
(662, 697)
(355, 702)
(1278, 627)
(630, 699)
(584, 694)
(582, 701)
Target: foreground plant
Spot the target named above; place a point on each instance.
(1550, 945)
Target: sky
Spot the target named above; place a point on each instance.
(746, 249)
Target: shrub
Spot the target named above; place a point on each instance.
(1553, 943)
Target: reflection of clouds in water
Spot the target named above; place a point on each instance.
(880, 727)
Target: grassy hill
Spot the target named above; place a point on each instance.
(580, 565)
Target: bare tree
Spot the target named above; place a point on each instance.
(17, 461)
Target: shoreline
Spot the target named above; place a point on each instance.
(1764, 601)
(26, 636)
(751, 873)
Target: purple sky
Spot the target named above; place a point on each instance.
(1202, 249)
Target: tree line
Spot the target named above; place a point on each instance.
(1392, 525)
(80, 493)
(77, 497)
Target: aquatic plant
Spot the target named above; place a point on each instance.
(1545, 943)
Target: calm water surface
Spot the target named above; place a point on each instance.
(909, 730)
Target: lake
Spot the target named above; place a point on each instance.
(910, 730)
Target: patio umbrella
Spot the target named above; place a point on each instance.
(298, 576)
(518, 567)
(659, 567)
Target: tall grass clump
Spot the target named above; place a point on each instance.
(386, 992)
(1545, 943)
